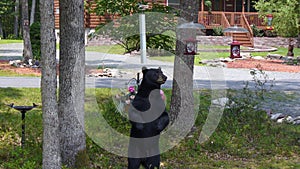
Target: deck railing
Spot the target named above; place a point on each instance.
(246, 25)
(216, 18)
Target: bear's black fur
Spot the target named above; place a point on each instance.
(148, 118)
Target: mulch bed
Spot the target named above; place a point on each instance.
(266, 65)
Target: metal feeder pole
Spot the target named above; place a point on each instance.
(23, 128)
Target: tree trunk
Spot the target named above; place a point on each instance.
(182, 100)
(51, 148)
(1, 29)
(32, 12)
(72, 82)
(16, 19)
(27, 51)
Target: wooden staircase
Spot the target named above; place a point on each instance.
(243, 38)
(230, 19)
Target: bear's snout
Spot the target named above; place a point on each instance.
(162, 79)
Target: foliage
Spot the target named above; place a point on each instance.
(6, 7)
(6, 17)
(245, 138)
(208, 4)
(270, 33)
(218, 31)
(35, 37)
(125, 31)
(13, 37)
(250, 98)
(285, 17)
(112, 7)
(256, 31)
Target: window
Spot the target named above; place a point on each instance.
(173, 2)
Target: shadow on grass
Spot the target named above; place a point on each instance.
(8, 96)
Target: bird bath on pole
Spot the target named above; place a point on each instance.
(23, 110)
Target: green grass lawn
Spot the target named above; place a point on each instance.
(216, 54)
(112, 49)
(10, 73)
(244, 138)
(6, 41)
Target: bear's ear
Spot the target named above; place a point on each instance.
(144, 68)
(159, 68)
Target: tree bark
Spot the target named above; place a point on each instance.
(32, 13)
(72, 82)
(27, 51)
(51, 148)
(16, 18)
(1, 29)
(182, 100)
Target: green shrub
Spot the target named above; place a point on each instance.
(257, 32)
(218, 31)
(270, 33)
(35, 36)
(13, 37)
(153, 41)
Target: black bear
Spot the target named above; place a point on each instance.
(148, 118)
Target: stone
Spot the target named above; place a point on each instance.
(297, 118)
(277, 116)
(30, 62)
(280, 120)
(274, 56)
(220, 101)
(246, 55)
(226, 60)
(258, 58)
(289, 119)
(216, 64)
(114, 72)
(297, 122)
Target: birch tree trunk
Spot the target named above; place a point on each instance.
(16, 18)
(182, 100)
(27, 51)
(72, 82)
(51, 148)
(32, 13)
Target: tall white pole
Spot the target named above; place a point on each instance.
(142, 23)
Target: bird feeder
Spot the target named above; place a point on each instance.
(269, 19)
(187, 35)
(235, 47)
(190, 47)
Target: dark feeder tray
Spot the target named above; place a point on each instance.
(23, 110)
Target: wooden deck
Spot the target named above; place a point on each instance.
(226, 19)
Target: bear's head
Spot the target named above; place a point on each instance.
(153, 78)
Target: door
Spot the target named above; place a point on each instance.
(229, 5)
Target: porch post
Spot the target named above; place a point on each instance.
(243, 6)
(202, 11)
